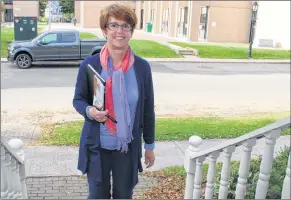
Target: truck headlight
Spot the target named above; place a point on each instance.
(12, 48)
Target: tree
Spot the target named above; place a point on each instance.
(42, 6)
(2, 9)
(67, 7)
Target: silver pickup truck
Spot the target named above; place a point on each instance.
(54, 45)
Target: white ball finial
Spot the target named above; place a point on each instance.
(16, 144)
(195, 142)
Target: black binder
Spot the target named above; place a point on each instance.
(97, 88)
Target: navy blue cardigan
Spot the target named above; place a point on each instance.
(144, 122)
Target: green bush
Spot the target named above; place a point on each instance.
(275, 183)
(43, 19)
(278, 174)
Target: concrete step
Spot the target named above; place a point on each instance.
(181, 50)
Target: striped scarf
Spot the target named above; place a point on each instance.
(116, 101)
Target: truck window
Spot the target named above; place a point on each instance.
(50, 38)
(68, 37)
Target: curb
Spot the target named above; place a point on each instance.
(197, 60)
(219, 61)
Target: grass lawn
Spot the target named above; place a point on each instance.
(225, 52)
(151, 49)
(171, 129)
(86, 35)
(7, 35)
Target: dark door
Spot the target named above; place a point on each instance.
(141, 19)
(48, 47)
(8, 15)
(69, 49)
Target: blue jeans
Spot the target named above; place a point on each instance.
(120, 164)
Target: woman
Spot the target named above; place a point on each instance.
(107, 147)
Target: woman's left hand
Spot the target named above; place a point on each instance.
(149, 158)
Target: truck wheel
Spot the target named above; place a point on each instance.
(95, 52)
(23, 61)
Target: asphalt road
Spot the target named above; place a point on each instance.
(64, 75)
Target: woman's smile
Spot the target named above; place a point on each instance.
(119, 38)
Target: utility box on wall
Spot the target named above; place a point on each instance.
(25, 28)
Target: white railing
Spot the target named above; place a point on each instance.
(194, 159)
(13, 184)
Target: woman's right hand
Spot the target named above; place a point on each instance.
(99, 116)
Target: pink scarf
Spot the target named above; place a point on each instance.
(117, 104)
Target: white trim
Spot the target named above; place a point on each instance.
(170, 18)
(208, 11)
(149, 11)
(176, 19)
(155, 18)
(190, 9)
(82, 13)
(161, 16)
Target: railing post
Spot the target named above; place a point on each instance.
(8, 163)
(244, 168)
(17, 146)
(198, 177)
(286, 183)
(190, 165)
(225, 172)
(15, 179)
(4, 171)
(211, 175)
(266, 164)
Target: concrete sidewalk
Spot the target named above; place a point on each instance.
(62, 160)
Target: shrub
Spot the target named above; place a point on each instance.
(275, 183)
(43, 19)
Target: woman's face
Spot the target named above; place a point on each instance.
(118, 33)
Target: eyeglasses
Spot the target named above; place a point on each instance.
(115, 27)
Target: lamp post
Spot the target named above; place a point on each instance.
(253, 22)
(50, 15)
